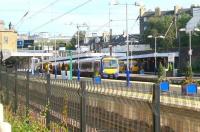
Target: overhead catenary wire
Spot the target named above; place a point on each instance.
(100, 27)
(36, 13)
(42, 9)
(21, 19)
(56, 18)
(135, 22)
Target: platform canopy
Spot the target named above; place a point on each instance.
(27, 54)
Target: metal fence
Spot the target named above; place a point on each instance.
(62, 105)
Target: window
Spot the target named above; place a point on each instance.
(5, 39)
(110, 64)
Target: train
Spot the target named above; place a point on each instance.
(106, 66)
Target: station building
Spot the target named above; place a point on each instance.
(8, 38)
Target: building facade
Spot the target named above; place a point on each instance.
(8, 40)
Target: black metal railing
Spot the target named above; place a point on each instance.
(107, 107)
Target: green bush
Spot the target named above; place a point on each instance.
(170, 67)
(188, 71)
(161, 73)
(23, 124)
(196, 66)
(188, 75)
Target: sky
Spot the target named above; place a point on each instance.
(94, 14)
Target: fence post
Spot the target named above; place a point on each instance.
(1, 77)
(7, 89)
(48, 95)
(156, 108)
(27, 90)
(15, 91)
(83, 107)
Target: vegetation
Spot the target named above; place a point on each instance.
(71, 45)
(196, 66)
(158, 25)
(170, 68)
(188, 75)
(188, 72)
(23, 124)
(161, 73)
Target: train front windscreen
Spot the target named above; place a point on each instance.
(110, 64)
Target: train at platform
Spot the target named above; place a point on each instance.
(106, 66)
(112, 67)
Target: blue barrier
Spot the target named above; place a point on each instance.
(97, 80)
(189, 89)
(164, 86)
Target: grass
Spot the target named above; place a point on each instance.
(23, 124)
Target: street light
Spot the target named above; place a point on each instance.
(155, 51)
(132, 42)
(190, 42)
(55, 67)
(78, 46)
(114, 2)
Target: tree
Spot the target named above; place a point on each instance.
(71, 45)
(181, 23)
(158, 25)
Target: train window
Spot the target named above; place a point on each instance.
(110, 63)
(86, 65)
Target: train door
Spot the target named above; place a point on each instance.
(97, 69)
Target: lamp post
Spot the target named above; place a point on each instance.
(127, 41)
(190, 42)
(132, 42)
(78, 72)
(55, 57)
(69, 53)
(155, 49)
(78, 46)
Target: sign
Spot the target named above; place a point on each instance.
(61, 48)
(27, 43)
(170, 57)
(20, 43)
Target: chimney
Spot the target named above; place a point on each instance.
(10, 26)
(176, 9)
(157, 11)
